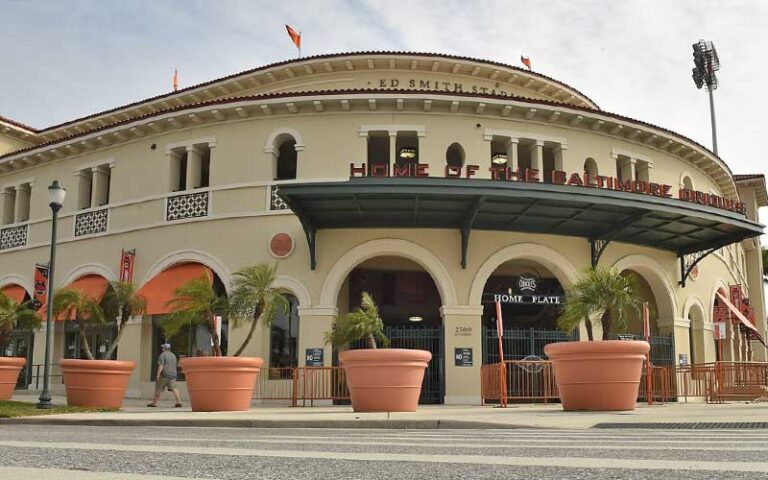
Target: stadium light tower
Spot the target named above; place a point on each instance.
(706, 64)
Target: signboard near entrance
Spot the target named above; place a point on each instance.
(314, 357)
(526, 292)
(463, 357)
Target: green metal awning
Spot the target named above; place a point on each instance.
(599, 215)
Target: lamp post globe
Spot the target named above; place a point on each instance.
(56, 195)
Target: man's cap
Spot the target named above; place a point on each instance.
(166, 345)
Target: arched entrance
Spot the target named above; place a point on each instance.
(20, 341)
(531, 299)
(409, 304)
(699, 353)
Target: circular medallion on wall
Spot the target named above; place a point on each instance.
(694, 273)
(281, 245)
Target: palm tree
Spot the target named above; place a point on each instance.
(195, 303)
(14, 315)
(363, 323)
(253, 298)
(121, 301)
(71, 301)
(603, 293)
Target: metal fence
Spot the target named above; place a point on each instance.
(718, 382)
(302, 384)
(520, 344)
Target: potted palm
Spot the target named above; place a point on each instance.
(599, 375)
(379, 380)
(12, 315)
(90, 382)
(217, 382)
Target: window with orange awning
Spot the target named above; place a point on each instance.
(159, 290)
(740, 317)
(15, 292)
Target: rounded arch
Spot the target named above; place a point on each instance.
(89, 269)
(455, 155)
(653, 274)
(278, 136)
(13, 279)
(187, 256)
(695, 306)
(721, 286)
(294, 287)
(686, 181)
(387, 247)
(590, 167)
(561, 267)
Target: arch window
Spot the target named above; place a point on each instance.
(454, 156)
(590, 167)
(286, 158)
(284, 335)
(687, 183)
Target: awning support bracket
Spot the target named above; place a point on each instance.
(466, 227)
(597, 247)
(689, 260)
(310, 230)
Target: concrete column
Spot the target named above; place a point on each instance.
(84, 187)
(682, 339)
(709, 345)
(756, 298)
(463, 330)
(21, 213)
(512, 153)
(537, 157)
(643, 170)
(7, 198)
(173, 160)
(392, 149)
(625, 167)
(100, 186)
(313, 323)
(194, 167)
(130, 348)
(560, 152)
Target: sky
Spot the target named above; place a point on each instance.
(65, 59)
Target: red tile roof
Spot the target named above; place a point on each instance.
(17, 124)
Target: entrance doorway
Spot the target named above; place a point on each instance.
(21, 344)
(409, 305)
(531, 301)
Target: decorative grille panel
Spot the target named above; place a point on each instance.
(13, 237)
(191, 205)
(91, 222)
(275, 202)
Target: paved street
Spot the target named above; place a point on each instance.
(62, 452)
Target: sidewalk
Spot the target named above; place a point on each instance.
(135, 413)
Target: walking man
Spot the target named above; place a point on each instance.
(166, 375)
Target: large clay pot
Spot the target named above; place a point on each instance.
(386, 379)
(96, 383)
(598, 376)
(221, 384)
(9, 374)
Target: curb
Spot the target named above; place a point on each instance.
(214, 423)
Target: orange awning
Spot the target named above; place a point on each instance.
(159, 290)
(94, 286)
(740, 316)
(15, 292)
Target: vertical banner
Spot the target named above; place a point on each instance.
(39, 296)
(127, 258)
(734, 295)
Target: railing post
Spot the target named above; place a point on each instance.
(295, 393)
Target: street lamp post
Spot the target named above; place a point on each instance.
(56, 194)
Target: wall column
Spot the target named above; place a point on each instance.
(537, 157)
(21, 213)
(130, 349)
(392, 149)
(463, 329)
(682, 339)
(100, 188)
(174, 170)
(194, 167)
(7, 198)
(755, 277)
(313, 323)
(512, 154)
(560, 157)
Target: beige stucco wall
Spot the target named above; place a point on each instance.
(238, 228)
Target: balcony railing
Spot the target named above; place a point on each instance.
(12, 237)
(91, 222)
(188, 205)
(275, 202)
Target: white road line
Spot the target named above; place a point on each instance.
(565, 462)
(748, 447)
(20, 473)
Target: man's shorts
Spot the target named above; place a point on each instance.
(164, 383)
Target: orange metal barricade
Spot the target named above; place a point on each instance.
(302, 384)
(518, 381)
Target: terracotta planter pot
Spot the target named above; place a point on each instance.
(9, 374)
(96, 383)
(598, 376)
(221, 384)
(384, 380)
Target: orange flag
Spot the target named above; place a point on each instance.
(526, 61)
(175, 80)
(295, 36)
